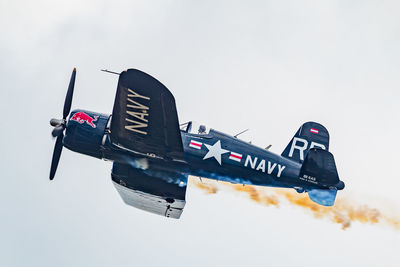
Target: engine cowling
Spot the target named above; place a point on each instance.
(85, 132)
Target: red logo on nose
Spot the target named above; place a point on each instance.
(82, 117)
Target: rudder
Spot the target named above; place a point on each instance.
(319, 168)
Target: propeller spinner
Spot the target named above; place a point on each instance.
(60, 125)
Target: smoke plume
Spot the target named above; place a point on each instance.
(344, 212)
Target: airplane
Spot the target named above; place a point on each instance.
(153, 154)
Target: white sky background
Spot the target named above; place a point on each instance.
(264, 65)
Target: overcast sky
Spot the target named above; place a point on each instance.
(265, 65)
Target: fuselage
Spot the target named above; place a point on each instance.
(213, 155)
(239, 162)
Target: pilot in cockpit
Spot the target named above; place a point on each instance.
(195, 128)
(202, 129)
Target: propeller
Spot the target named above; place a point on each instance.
(60, 125)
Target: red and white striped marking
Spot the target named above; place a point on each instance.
(195, 144)
(235, 156)
(314, 130)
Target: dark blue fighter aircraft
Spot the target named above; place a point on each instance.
(153, 154)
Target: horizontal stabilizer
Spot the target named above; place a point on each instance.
(324, 197)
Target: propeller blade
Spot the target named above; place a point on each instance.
(57, 131)
(56, 155)
(68, 97)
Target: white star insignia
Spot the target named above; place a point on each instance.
(215, 151)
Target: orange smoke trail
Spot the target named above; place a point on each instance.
(343, 212)
(208, 188)
(256, 195)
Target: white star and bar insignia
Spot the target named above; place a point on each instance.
(215, 151)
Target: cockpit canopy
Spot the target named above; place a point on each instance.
(194, 127)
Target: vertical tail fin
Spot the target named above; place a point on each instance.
(310, 134)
